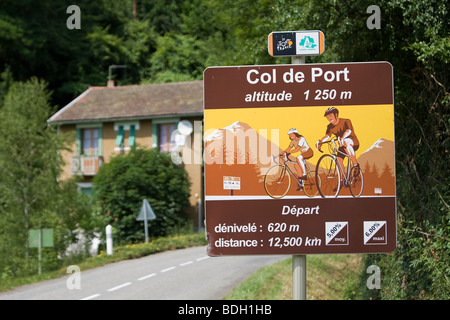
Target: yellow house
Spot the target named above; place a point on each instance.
(110, 120)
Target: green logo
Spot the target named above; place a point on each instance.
(307, 43)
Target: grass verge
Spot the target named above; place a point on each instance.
(328, 277)
(131, 251)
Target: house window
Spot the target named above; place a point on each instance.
(126, 135)
(88, 158)
(90, 138)
(165, 135)
(86, 188)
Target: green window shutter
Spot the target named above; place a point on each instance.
(155, 140)
(132, 137)
(100, 142)
(119, 138)
(78, 141)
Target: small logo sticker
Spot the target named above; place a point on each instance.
(307, 43)
(284, 44)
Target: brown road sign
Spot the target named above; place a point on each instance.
(309, 154)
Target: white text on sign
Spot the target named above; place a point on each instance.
(254, 76)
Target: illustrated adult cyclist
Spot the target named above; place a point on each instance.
(298, 143)
(343, 130)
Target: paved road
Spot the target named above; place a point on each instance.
(186, 274)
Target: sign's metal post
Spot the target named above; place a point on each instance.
(146, 213)
(145, 224)
(298, 260)
(39, 251)
(298, 60)
(299, 277)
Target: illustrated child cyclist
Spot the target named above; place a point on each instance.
(343, 130)
(298, 143)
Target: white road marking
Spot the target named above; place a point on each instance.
(91, 297)
(147, 276)
(202, 258)
(168, 269)
(119, 286)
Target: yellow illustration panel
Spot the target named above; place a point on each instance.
(370, 122)
(256, 136)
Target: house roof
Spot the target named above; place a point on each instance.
(133, 102)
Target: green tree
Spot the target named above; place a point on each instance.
(179, 54)
(34, 41)
(30, 164)
(414, 37)
(127, 179)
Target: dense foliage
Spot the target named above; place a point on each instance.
(415, 38)
(169, 40)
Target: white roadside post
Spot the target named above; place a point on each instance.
(109, 240)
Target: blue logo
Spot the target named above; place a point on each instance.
(307, 43)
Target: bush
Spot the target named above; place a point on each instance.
(123, 183)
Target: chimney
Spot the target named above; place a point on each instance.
(110, 84)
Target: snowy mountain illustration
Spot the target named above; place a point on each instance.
(238, 143)
(234, 128)
(240, 151)
(378, 166)
(382, 151)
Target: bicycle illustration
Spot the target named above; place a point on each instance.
(332, 176)
(277, 180)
